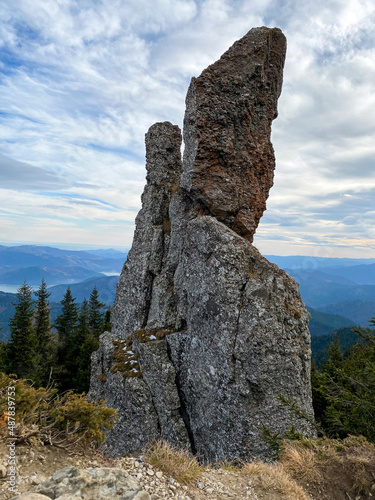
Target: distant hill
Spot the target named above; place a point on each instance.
(110, 253)
(6, 312)
(106, 286)
(322, 323)
(361, 274)
(358, 311)
(319, 289)
(51, 275)
(343, 287)
(305, 262)
(44, 256)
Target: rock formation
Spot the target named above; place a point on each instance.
(206, 332)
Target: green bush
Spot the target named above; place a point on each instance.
(60, 420)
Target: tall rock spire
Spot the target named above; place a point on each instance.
(206, 332)
(229, 159)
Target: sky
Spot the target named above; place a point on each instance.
(83, 80)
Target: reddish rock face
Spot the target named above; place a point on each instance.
(229, 159)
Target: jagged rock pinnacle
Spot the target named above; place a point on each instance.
(206, 332)
(229, 159)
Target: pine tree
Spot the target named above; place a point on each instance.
(3, 356)
(334, 360)
(96, 318)
(65, 325)
(88, 343)
(21, 348)
(83, 345)
(43, 334)
(67, 321)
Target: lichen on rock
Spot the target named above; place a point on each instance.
(216, 330)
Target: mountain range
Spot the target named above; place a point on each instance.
(344, 287)
(31, 263)
(339, 293)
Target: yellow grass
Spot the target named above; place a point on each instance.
(300, 463)
(274, 477)
(176, 463)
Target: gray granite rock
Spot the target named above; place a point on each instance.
(206, 332)
(151, 237)
(247, 341)
(160, 376)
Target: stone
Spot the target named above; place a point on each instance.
(206, 332)
(91, 483)
(31, 496)
(160, 376)
(142, 495)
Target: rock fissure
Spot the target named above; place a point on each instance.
(148, 299)
(228, 318)
(182, 408)
(240, 307)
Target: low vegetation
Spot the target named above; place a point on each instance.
(57, 419)
(344, 388)
(125, 359)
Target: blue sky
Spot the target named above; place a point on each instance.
(82, 81)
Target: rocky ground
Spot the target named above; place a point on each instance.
(38, 463)
(86, 473)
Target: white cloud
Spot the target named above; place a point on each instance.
(81, 82)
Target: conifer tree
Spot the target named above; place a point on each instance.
(83, 345)
(86, 344)
(82, 328)
(65, 325)
(43, 335)
(21, 349)
(334, 360)
(66, 322)
(3, 356)
(96, 318)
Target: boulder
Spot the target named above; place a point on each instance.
(91, 483)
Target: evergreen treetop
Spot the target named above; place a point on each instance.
(22, 346)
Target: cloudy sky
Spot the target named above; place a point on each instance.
(82, 80)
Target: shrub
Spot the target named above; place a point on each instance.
(60, 420)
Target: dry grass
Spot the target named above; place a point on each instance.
(274, 477)
(300, 463)
(229, 466)
(176, 463)
(330, 463)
